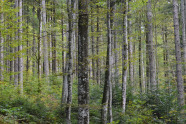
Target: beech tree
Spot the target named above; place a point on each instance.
(124, 55)
(2, 47)
(152, 63)
(83, 82)
(179, 78)
(44, 36)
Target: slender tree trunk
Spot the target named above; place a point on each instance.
(116, 57)
(50, 43)
(178, 55)
(140, 56)
(97, 49)
(111, 33)
(45, 46)
(83, 82)
(2, 47)
(147, 61)
(69, 58)
(65, 85)
(185, 52)
(152, 64)
(131, 76)
(93, 43)
(11, 61)
(108, 85)
(143, 71)
(20, 48)
(39, 66)
(16, 51)
(34, 45)
(54, 61)
(27, 42)
(166, 56)
(183, 20)
(124, 55)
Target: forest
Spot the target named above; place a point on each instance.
(92, 61)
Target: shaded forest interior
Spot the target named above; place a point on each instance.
(92, 61)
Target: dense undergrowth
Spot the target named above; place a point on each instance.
(44, 105)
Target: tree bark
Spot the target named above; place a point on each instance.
(20, 47)
(2, 47)
(152, 64)
(178, 55)
(97, 49)
(39, 59)
(130, 50)
(124, 55)
(83, 82)
(34, 44)
(54, 61)
(183, 20)
(16, 51)
(93, 43)
(140, 56)
(107, 93)
(69, 58)
(45, 46)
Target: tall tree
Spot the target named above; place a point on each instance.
(93, 41)
(108, 85)
(97, 48)
(178, 55)
(2, 45)
(124, 55)
(69, 58)
(54, 60)
(39, 65)
(152, 64)
(183, 20)
(34, 44)
(83, 82)
(130, 49)
(20, 46)
(45, 46)
(65, 84)
(140, 55)
(16, 50)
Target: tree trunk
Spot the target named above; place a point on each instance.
(131, 76)
(2, 48)
(124, 56)
(178, 55)
(54, 61)
(166, 57)
(69, 59)
(16, 52)
(83, 82)
(93, 43)
(107, 93)
(65, 85)
(39, 59)
(97, 49)
(34, 46)
(183, 20)
(140, 56)
(20, 48)
(152, 64)
(11, 61)
(45, 46)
